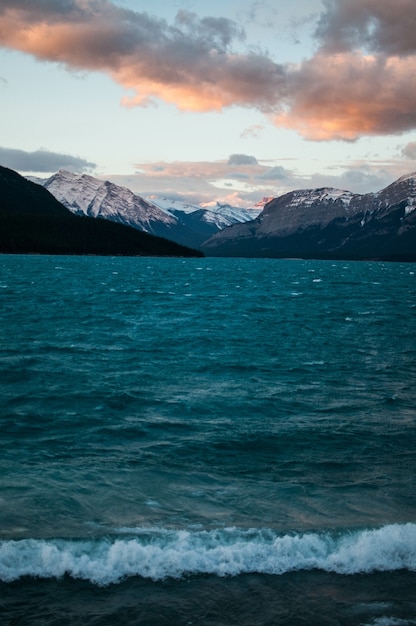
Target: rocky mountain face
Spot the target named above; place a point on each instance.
(33, 221)
(183, 223)
(328, 224)
(86, 195)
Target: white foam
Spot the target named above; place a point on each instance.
(390, 621)
(159, 554)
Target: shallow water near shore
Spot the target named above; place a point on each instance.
(208, 441)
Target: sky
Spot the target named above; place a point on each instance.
(205, 102)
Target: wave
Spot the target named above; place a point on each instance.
(160, 553)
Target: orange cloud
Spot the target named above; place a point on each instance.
(189, 64)
(340, 93)
(347, 95)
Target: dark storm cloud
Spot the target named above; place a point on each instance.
(42, 161)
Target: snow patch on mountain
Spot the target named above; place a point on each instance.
(309, 197)
(411, 206)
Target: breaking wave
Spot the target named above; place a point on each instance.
(157, 554)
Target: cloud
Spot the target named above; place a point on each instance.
(208, 182)
(252, 131)
(360, 81)
(203, 182)
(409, 151)
(379, 26)
(262, 13)
(347, 95)
(190, 62)
(242, 159)
(275, 173)
(42, 161)
(358, 178)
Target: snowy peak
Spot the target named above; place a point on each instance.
(305, 207)
(83, 194)
(227, 214)
(171, 206)
(309, 197)
(235, 214)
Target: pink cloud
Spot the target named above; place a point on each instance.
(347, 95)
(359, 82)
(189, 63)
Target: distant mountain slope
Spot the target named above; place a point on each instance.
(202, 223)
(186, 224)
(33, 221)
(225, 213)
(328, 223)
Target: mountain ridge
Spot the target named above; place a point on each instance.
(87, 195)
(328, 223)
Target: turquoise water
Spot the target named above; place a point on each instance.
(209, 441)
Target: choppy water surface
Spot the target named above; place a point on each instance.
(209, 441)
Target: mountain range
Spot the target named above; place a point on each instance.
(33, 221)
(323, 223)
(328, 223)
(183, 223)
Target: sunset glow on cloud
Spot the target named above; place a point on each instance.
(347, 95)
(189, 63)
(359, 82)
(162, 95)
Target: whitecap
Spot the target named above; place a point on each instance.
(390, 621)
(161, 553)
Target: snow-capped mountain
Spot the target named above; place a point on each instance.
(183, 223)
(220, 215)
(170, 206)
(236, 214)
(204, 222)
(328, 223)
(232, 215)
(86, 195)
